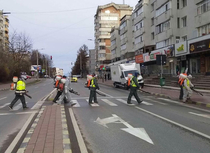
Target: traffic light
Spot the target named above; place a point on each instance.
(103, 68)
(51, 57)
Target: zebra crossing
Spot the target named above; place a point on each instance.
(110, 102)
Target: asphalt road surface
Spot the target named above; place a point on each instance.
(157, 125)
(12, 121)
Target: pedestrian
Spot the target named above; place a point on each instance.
(20, 90)
(134, 86)
(57, 85)
(93, 87)
(65, 96)
(181, 83)
(187, 88)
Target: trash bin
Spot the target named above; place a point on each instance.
(162, 82)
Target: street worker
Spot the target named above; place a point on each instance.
(187, 88)
(182, 77)
(93, 87)
(65, 96)
(134, 86)
(57, 85)
(20, 90)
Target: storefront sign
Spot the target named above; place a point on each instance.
(181, 49)
(139, 59)
(200, 46)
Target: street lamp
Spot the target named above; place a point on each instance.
(37, 62)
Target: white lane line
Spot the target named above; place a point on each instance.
(105, 93)
(93, 105)
(77, 104)
(40, 102)
(19, 135)
(19, 113)
(4, 105)
(202, 115)
(3, 98)
(156, 101)
(18, 106)
(109, 102)
(175, 123)
(143, 102)
(183, 104)
(80, 140)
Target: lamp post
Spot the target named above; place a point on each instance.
(37, 62)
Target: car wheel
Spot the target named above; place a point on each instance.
(115, 85)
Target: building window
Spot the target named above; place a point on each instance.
(177, 39)
(152, 21)
(101, 55)
(163, 9)
(163, 43)
(204, 30)
(184, 38)
(113, 42)
(162, 27)
(184, 21)
(177, 4)
(203, 7)
(122, 36)
(102, 47)
(138, 39)
(109, 18)
(152, 7)
(123, 47)
(138, 12)
(153, 35)
(178, 23)
(113, 52)
(139, 25)
(124, 24)
(184, 2)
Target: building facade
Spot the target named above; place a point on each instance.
(107, 16)
(4, 31)
(92, 61)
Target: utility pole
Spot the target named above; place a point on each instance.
(37, 63)
(80, 64)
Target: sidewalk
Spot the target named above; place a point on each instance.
(48, 133)
(171, 92)
(6, 86)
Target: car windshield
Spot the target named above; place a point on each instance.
(74, 76)
(130, 72)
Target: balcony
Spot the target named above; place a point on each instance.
(198, 1)
(102, 44)
(123, 30)
(164, 35)
(124, 40)
(202, 19)
(159, 3)
(163, 17)
(103, 36)
(101, 58)
(102, 51)
(139, 18)
(138, 46)
(139, 32)
(113, 46)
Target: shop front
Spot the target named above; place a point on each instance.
(181, 52)
(200, 55)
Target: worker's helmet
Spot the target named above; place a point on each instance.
(89, 77)
(58, 77)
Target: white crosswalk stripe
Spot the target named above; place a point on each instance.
(143, 102)
(77, 104)
(18, 106)
(156, 101)
(125, 102)
(93, 105)
(109, 102)
(4, 105)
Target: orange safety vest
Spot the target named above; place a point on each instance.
(57, 83)
(88, 84)
(181, 80)
(129, 81)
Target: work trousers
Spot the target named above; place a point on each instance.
(181, 92)
(133, 92)
(92, 96)
(57, 96)
(187, 94)
(17, 97)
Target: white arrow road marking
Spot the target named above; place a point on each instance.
(138, 132)
(4, 105)
(18, 106)
(109, 102)
(143, 102)
(202, 115)
(93, 105)
(175, 123)
(3, 98)
(77, 104)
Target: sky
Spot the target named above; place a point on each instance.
(56, 27)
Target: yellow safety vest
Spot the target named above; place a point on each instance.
(188, 83)
(133, 83)
(92, 83)
(21, 86)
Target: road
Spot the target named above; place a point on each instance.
(157, 125)
(12, 121)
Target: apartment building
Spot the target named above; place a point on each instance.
(92, 61)
(4, 30)
(115, 45)
(107, 17)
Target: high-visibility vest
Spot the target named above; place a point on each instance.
(188, 83)
(21, 85)
(129, 81)
(181, 80)
(133, 83)
(92, 83)
(88, 84)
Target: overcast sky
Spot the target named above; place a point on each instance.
(61, 27)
